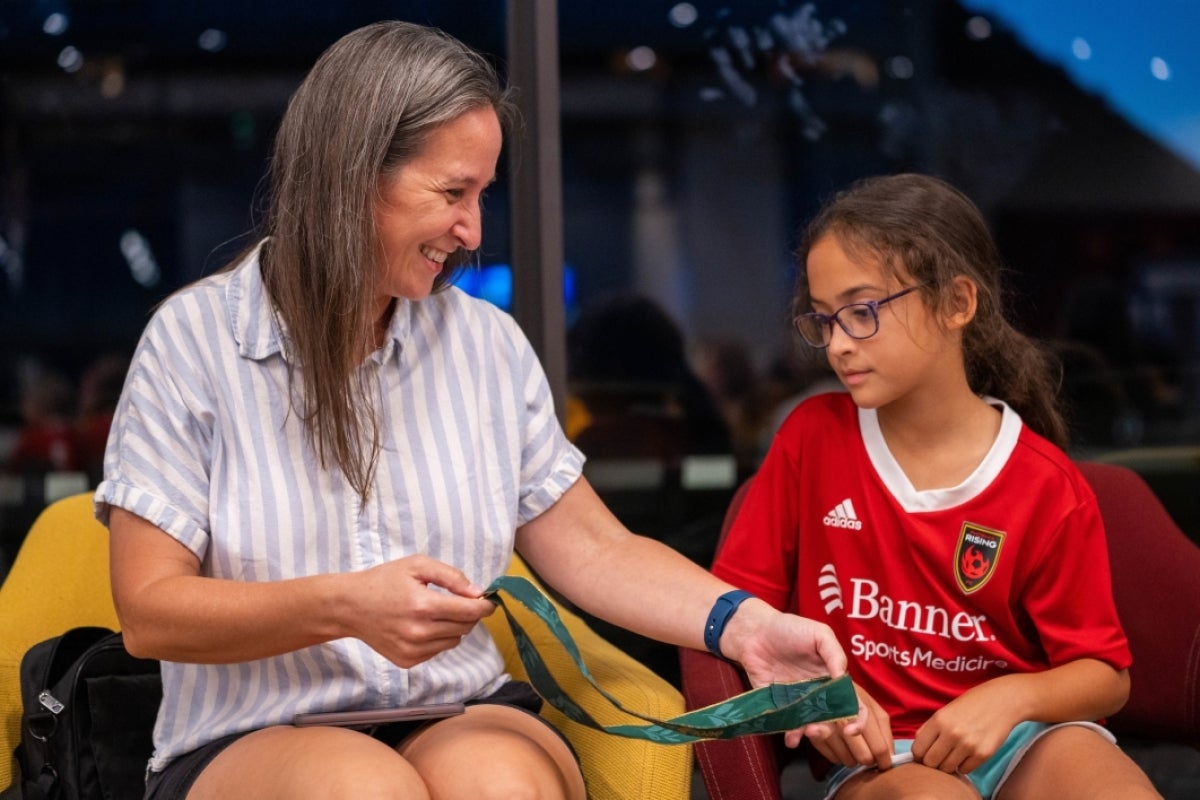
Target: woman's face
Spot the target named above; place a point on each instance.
(430, 207)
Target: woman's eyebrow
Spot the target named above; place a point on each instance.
(465, 178)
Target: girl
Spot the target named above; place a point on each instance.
(930, 516)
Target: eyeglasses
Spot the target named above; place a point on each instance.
(858, 320)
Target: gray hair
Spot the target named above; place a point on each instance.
(365, 109)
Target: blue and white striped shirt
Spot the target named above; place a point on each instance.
(206, 446)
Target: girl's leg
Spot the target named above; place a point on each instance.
(907, 782)
(1075, 763)
(495, 751)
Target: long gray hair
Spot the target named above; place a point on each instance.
(365, 110)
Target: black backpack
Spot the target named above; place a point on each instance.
(88, 717)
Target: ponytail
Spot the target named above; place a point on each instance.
(934, 232)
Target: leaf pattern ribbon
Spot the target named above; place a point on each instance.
(768, 709)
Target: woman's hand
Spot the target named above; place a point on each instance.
(774, 647)
(408, 610)
(411, 609)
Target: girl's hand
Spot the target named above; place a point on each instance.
(867, 741)
(968, 730)
(411, 609)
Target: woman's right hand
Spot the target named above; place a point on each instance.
(408, 610)
(411, 609)
(870, 746)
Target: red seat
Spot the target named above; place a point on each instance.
(1156, 585)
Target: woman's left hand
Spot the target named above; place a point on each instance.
(774, 647)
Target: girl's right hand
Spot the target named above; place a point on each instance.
(411, 609)
(867, 742)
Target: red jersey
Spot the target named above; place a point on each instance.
(930, 592)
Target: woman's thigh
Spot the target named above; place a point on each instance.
(318, 762)
(494, 751)
(1077, 763)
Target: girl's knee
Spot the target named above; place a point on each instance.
(908, 782)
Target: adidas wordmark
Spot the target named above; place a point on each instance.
(842, 516)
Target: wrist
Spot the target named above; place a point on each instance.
(339, 613)
(723, 610)
(744, 626)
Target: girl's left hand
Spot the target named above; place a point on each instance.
(967, 731)
(872, 745)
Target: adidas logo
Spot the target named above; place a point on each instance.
(842, 516)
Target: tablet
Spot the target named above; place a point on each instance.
(378, 716)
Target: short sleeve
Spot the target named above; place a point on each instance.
(157, 462)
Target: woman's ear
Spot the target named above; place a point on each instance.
(963, 302)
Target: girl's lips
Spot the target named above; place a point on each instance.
(854, 377)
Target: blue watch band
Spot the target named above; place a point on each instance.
(718, 618)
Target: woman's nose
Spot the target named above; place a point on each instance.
(469, 227)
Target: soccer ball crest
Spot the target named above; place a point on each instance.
(976, 556)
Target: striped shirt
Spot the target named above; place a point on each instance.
(206, 446)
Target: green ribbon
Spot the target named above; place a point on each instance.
(774, 708)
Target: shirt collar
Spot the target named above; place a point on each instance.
(397, 332)
(260, 332)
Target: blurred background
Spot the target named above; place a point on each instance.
(696, 137)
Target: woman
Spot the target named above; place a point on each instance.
(323, 452)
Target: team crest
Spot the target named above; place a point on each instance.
(976, 556)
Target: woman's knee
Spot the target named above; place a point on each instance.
(309, 762)
(495, 753)
(536, 779)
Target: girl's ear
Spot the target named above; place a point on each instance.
(963, 302)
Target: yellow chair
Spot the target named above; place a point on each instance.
(59, 580)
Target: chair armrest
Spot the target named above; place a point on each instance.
(745, 768)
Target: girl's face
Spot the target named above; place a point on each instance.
(911, 351)
(431, 206)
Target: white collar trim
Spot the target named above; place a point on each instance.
(902, 489)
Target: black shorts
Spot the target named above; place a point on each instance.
(176, 779)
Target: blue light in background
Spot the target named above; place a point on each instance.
(494, 283)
